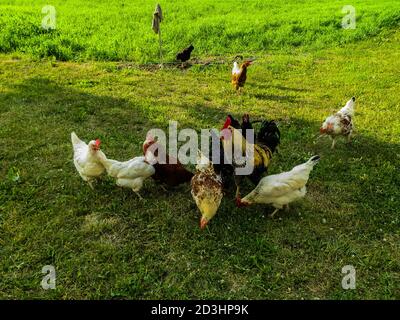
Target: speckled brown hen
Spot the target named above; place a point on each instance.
(206, 189)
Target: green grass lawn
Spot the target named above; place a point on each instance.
(121, 30)
(108, 244)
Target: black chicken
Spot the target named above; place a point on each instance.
(185, 54)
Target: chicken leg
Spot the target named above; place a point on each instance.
(237, 195)
(237, 198)
(349, 138)
(90, 184)
(137, 193)
(273, 213)
(333, 143)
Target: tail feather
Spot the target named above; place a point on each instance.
(314, 160)
(348, 109)
(269, 134)
(75, 139)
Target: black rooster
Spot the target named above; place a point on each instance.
(185, 54)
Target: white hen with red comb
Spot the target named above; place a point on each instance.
(86, 159)
(283, 188)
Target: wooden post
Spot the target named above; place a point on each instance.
(160, 43)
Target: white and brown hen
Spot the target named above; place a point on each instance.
(341, 123)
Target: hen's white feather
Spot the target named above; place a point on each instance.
(236, 68)
(281, 189)
(340, 123)
(129, 174)
(85, 160)
(348, 109)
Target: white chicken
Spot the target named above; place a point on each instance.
(128, 174)
(340, 123)
(86, 159)
(282, 189)
(206, 189)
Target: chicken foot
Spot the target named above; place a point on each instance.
(137, 193)
(286, 206)
(90, 183)
(333, 143)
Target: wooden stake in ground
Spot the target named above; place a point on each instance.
(157, 18)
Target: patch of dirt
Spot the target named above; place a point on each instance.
(172, 65)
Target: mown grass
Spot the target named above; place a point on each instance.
(108, 244)
(115, 30)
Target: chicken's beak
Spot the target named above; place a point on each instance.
(203, 223)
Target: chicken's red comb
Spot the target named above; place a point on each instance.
(227, 123)
(98, 142)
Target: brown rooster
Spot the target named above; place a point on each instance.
(172, 172)
(239, 74)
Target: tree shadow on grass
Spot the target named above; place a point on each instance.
(350, 174)
(284, 95)
(284, 88)
(122, 124)
(261, 86)
(283, 98)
